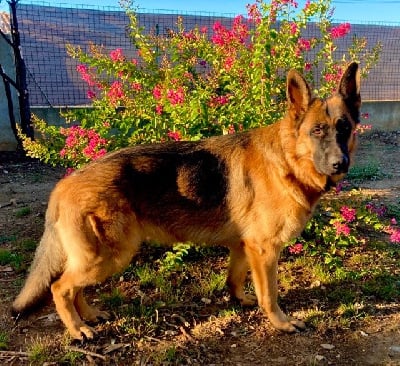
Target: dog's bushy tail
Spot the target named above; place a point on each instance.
(47, 264)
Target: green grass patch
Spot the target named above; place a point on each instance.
(364, 172)
(4, 339)
(22, 212)
(7, 239)
(9, 258)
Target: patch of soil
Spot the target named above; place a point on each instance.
(245, 338)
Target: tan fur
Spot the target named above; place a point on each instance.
(251, 192)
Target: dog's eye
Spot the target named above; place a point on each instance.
(317, 131)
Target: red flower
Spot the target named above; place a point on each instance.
(91, 94)
(174, 135)
(340, 31)
(293, 28)
(159, 109)
(117, 55)
(116, 92)
(136, 86)
(304, 44)
(395, 236)
(176, 96)
(254, 14)
(341, 228)
(348, 214)
(296, 248)
(157, 92)
(307, 66)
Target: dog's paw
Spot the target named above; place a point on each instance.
(248, 300)
(84, 332)
(298, 324)
(287, 324)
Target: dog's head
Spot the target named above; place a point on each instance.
(325, 129)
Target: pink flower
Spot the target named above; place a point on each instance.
(293, 28)
(174, 135)
(230, 37)
(393, 221)
(68, 172)
(296, 248)
(85, 76)
(395, 236)
(136, 86)
(340, 31)
(116, 92)
(229, 61)
(82, 69)
(157, 92)
(117, 55)
(307, 66)
(219, 100)
(176, 96)
(365, 115)
(254, 14)
(348, 214)
(79, 140)
(159, 109)
(341, 228)
(304, 44)
(91, 94)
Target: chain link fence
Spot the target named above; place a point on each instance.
(53, 80)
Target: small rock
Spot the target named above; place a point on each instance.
(394, 351)
(327, 346)
(319, 357)
(234, 345)
(363, 334)
(205, 300)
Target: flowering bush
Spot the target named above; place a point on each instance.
(336, 227)
(198, 82)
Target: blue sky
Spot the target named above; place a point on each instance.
(348, 10)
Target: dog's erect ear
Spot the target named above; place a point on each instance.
(349, 89)
(298, 94)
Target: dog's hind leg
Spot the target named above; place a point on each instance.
(65, 291)
(237, 272)
(87, 312)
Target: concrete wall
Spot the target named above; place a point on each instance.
(7, 138)
(383, 115)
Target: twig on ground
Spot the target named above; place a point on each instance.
(85, 352)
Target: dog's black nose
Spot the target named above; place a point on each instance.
(342, 165)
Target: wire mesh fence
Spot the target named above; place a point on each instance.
(53, 79)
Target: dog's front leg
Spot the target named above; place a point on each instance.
(263, 261)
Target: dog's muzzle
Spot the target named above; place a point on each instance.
(341, 166)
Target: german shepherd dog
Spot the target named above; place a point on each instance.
(250, 192)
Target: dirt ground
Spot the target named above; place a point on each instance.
(243, 339)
